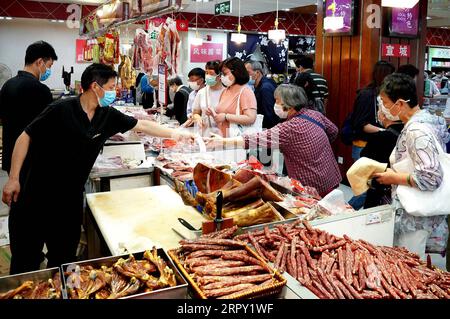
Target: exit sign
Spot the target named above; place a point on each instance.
(223, 8)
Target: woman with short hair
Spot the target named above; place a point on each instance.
(238, 103)
(418, 143)
(304, 139)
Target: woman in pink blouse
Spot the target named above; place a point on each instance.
(304, 139)
(235, 78)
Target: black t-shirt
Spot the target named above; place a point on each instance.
(64, 146)
(22, 98)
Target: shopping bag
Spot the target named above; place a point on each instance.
(426, 203)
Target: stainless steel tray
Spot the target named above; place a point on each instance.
(178, 292)
(12, 282)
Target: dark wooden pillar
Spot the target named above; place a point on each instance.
(347, 61)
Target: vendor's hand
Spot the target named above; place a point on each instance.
(389, 177)
(11, 192)
(220, 118)
(214, 142)
(183, 136)
(188, 123)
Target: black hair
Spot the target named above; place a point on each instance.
(297, 61)
(197, 72)
(408, 69)
(175, 81)
(400, 86)
(97, 72)
(237, 68)
(213, 65)
(305, 61)
(381, 69)
(39, 49)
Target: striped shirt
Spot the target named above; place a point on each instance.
(320, 89)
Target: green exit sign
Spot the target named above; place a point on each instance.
(223, 8)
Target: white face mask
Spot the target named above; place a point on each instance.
(226, 80)
(194, 86)
(386, 112)
(279, 111)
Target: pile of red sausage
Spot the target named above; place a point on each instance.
(221, 267)
(341, 268)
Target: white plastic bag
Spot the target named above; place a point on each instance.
(414, 241)
(426, 203)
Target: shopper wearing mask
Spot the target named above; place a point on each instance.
(264, 93)
(24, 97)
(180, 100)
(196, 83)
(304, 139)
(238, 103)
(66, 138)
(379, 147)
(418, 142)
(208, 97)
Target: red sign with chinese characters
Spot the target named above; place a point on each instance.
(206, 52)
(396, 50)
(79, 50)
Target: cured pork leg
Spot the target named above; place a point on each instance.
(209, 179)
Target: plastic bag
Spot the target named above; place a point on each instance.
(335, 203)
(415, 242)
(437, 242)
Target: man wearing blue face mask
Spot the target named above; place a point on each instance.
(24, 97)
(67, 137)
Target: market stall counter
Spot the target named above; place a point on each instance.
(133, 220)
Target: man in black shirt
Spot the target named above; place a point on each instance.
(180, 100)
(51, 163)
(24, 97)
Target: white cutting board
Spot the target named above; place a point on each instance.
(139, 218)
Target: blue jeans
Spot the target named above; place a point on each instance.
(357, 202)
(356, 152)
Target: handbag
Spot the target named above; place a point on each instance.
(426, 203)
(236, 130)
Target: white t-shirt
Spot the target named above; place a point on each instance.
(207, 98)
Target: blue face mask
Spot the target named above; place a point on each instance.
(108, 98)
(46, 74)
(251, 82)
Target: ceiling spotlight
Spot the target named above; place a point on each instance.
(399, 4)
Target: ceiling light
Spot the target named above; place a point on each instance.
(197, 41)
(239, 37)
(277, 35)
(8, 18)
(61, 21)
(287, 9)
(54, 21)
(333, 23)
(399, 4)
(428, 18)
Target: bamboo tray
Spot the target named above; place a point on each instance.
(268, 290)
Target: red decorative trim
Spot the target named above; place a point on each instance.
(38, 10)
(293, 23)
(438, 36)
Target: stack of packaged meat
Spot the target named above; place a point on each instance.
(341, 268)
